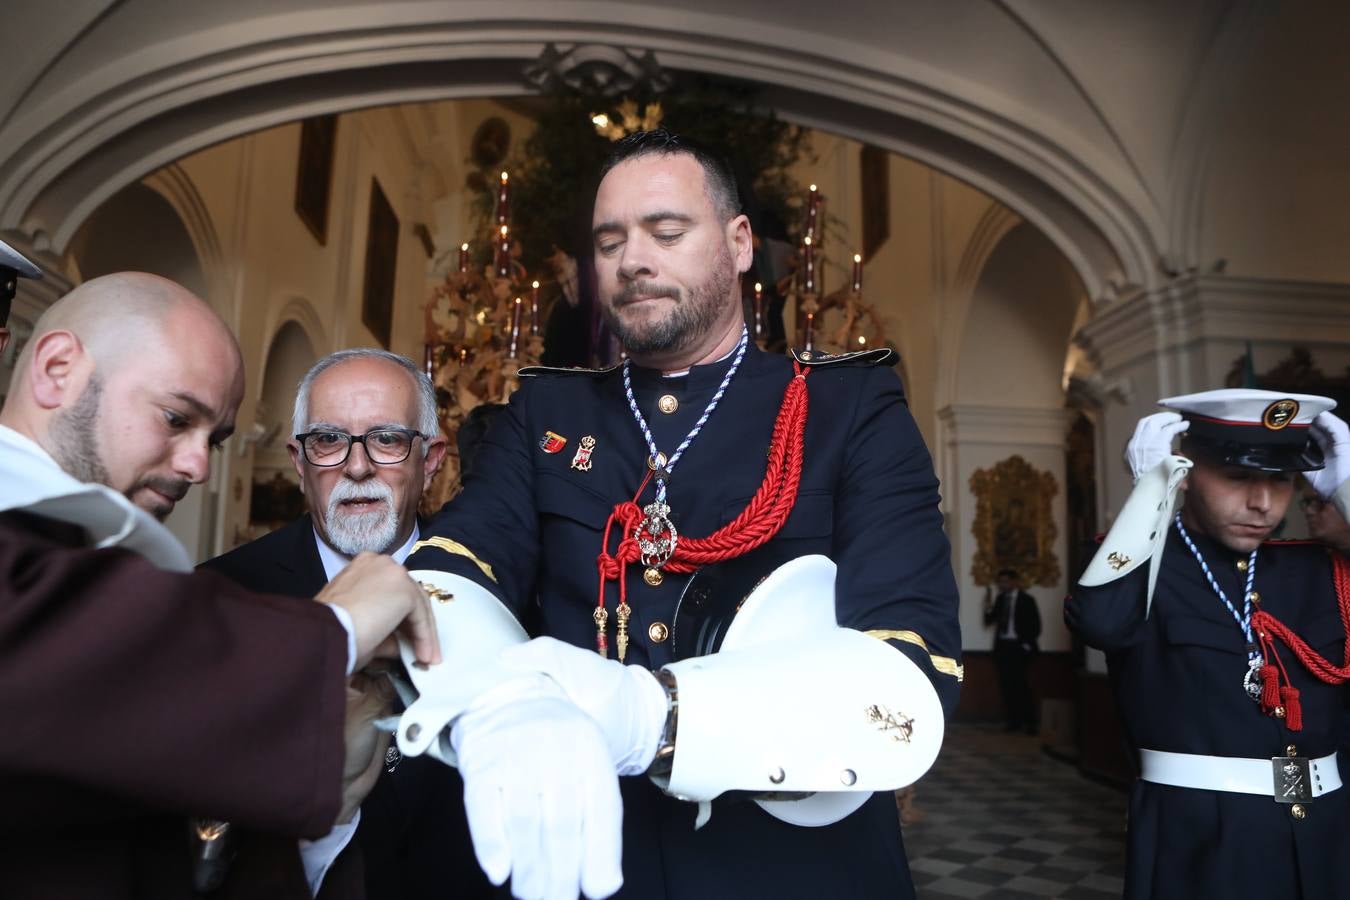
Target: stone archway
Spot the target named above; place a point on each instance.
(219, 79)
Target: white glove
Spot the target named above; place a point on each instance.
(1152, 441)
(627, 702)
(540, 792)
(1333, 436)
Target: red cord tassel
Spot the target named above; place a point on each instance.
(1270, 688)
(1293, 709)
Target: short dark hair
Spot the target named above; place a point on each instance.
(717, 173)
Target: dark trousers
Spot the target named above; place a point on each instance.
(1012, 663)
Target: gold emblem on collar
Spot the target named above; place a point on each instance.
(1279, 414)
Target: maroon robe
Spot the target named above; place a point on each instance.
(132, 698)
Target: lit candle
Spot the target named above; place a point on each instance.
(515, 328)
(862, 342)
(463, 355)
(464, 257)
(810, 335)
(812, 211)
(504, 253)
(429, 360)
(759, 310)
(534, 307)
(808, 266)
(857, 273)
(504, 200)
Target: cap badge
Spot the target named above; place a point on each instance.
(551, 442)
(1279, 414)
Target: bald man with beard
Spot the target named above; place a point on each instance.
(142, 701)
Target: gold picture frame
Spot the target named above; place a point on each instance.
(1014, 524)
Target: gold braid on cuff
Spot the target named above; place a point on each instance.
(455, 548)
(944, 664)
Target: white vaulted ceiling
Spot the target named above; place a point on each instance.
(1097, 121)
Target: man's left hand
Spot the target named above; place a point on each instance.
(627, 702)
(1333, 436)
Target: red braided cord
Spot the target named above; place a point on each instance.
(761, 519)
(1315, 663)
(766, 512)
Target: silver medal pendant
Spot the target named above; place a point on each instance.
(1251, 682)
(655, 535)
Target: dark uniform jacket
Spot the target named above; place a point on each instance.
(413, 838)
(134, 698)
(868, 499)
(1178, 677)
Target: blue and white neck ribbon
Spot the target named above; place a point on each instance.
(663, 472)
(1243, 619)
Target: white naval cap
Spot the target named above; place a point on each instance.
(1256, 429)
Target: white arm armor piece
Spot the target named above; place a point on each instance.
(474, 628)
(1341, 499)
(1141, 528)
(840, 712)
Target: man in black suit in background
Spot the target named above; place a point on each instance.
(1017, 628)
(366, 444)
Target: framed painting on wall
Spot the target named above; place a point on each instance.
(314, 174)
(1014, 524)
(377, 302)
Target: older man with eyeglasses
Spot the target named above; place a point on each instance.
(366, 442)
(1325, 522)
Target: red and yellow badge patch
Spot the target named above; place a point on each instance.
(551, 442)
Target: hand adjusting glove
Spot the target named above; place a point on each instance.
(542, 801)
(627, 702)
(1333, 436)
(1152, 441)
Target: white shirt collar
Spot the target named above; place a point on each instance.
(31, 481)
(334, 562)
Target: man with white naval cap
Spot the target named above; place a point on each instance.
(1226, 650)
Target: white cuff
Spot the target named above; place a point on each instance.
(318, 856)
(345, 620)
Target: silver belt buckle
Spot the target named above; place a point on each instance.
(1293, 779)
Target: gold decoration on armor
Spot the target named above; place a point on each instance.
(440, 595)
(898, 725)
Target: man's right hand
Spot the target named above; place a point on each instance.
(381, 599)
(1152, 441)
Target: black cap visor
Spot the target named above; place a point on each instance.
(1263, 457)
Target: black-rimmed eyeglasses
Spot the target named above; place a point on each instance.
(385, 446)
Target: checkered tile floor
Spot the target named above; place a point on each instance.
(1002, 821)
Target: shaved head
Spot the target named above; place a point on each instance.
(113, 314)
(129, 381)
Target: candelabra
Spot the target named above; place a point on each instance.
(858, 328)
(482, 324)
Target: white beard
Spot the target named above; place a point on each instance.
(374, 530)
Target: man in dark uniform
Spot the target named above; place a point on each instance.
(1017, 628)
(683, 435)
(1239, 792)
